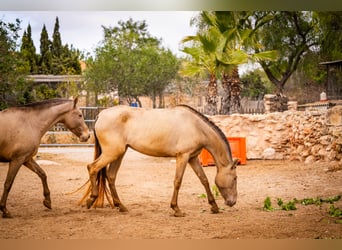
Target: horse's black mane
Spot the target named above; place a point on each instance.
(210, 123)
(44, 103)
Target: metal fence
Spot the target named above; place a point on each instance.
(249, 106)
(89, 114)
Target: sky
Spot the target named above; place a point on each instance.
(83, 29)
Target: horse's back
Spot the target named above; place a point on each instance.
(134, 119)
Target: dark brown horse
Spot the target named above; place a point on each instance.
(180, 132)
(21, 129)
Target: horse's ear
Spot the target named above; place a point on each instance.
(75, 101)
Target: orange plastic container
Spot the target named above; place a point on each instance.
(238, 147)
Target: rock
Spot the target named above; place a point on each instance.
(268, 154)
(310, 159)
(334, 116)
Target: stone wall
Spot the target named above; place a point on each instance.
(309, 136)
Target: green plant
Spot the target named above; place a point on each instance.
(268, 204)
(289, 206)
(215, 191)
(282, 206)
(318, 200)
(335, 211)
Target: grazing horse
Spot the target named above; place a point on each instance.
(179, 132)
(21, 131)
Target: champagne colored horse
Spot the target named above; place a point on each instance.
(21, 131)
(179, 132)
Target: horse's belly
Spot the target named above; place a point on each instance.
(163, 147)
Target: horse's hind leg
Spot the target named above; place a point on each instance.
(11, 173)
(112, 172)
(198, 169)
(181, 162)
(32, 165)
(93, 168)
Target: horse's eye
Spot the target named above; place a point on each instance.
(80, 115)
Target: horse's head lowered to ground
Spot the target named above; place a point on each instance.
(226, 181)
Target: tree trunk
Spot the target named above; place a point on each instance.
(232, 87)
(138, 101)
(225, 102)
(211, 98)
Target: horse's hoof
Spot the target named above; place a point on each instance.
(47, 204)
(123, 209)
(179, 214)
(7, 215)
(215, 210)
(90, 202)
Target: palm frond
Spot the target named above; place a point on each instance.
(270, 55)
(233, 57)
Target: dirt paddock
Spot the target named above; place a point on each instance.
(145, 186)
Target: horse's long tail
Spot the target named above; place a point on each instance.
(101, 180)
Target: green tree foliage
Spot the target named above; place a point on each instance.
(56, 58)
(16, 62)
(329, 34)
(28, 50)
(57, 51)
(292, 34)
(12, 67)
(45, 62)
(222, 43)
(131, 61)
(255, 84)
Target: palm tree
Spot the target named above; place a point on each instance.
(204, 63)
(218, 49)
(211, 54)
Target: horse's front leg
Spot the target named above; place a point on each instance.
(198, 169)
(32, 165)
(11, 173)
(181, 161)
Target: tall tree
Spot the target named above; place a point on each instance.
(45, 62)
(293, 34)
(159, 67)
(28, 50)
(57, 51)
(131, 61)
(13, 87)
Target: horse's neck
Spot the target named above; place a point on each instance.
(46, 118)
(218, 148)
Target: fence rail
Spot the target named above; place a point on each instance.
(89, 114)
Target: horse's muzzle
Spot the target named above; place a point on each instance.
(84, 137)
(230, 202)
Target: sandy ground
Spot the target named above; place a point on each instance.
(145, 185)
